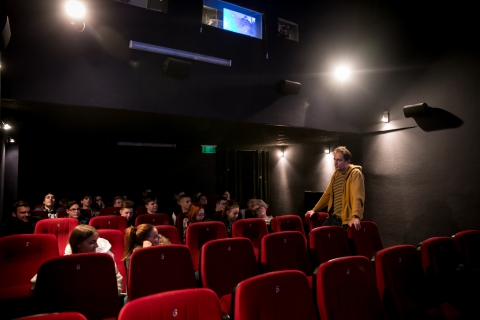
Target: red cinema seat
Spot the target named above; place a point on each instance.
(468, 244)
(285, 250)
(200, 233)
(60, 228)
(140, 210)
(316, 220)
(367, 240)
(83, 283)
(254, 229)
(179, 224)
(280, 295)
(173, 270)
(115, 237)
(289, 222)
(56, 316)
(233, 254)
(346, 289)
(20, 257)
(169, 232)
(187, 304)
(109, 211)
(153, 219)
(327, 242)
(109, 222)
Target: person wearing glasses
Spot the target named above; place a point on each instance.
(74, 211)
(216, 214)
(260, 209)
(99, 202)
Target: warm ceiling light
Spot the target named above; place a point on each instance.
(75, 9)
(6, 126)
(342, 73)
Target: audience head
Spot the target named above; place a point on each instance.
(99, 202)
(147, 191)
(178, 194)
(151, 205)
(49, 201)
(347, 156)
(83, 239)
(73, 209)
(251, 203)
(196, 214)
(145, 235)
(202, 200)
(21, 211)
(226, 195)
(260, 208)
(117, 201)
(86, 201)
(63, 203)
(185, 202)
(127, 209)
(220, 204)
(231, 211)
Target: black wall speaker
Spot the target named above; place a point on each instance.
(5, 36)
(415, 110)
(288, 87)
(176, 68)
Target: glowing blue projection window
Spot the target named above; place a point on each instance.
(227, 16)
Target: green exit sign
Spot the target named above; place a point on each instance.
(209, 149)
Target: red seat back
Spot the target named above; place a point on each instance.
(108, 211)
(115, 237)
(346, 289)
(109, 222)
(316, 220)
(60, 228)
(153, 219)
(468, 244)
(57, 316)
(327, 242)
(200, 233)
(289, 222)
(254, 229)
(173, 270)
(169, 232)
(367, 240)
(20, 257)
(274, 296)
(188, 304)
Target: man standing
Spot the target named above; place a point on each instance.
(345, 194)
(21, 221)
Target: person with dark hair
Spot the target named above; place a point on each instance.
(345, 194)
(230, 215)
(99, 202)
(216, 214)
(74, 211)
(248, 211)
(117, 201)
(126, 211)
(20, 222)
(87, 205)
(226, 195)
(151, 205)
(49, 206)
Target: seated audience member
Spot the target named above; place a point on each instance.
(260, 209)
(185, 203)
(117, 201)
(175, 206)
(196, 196)
(127, 212)
(226, 195)
(202, 200)
(74, 211)
(248, 212)
(151, 205)
(217, 212)
(230, 215)
(87, 205)
(20, 222)
(99, 202)
(84, 239)
(195, 214)
(145, 235)
(63, 204)
(49, 206)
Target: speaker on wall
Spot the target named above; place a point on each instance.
(288, 87)
(176, 68)
(415, 110)
(5, 35)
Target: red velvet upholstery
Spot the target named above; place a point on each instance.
(60, 228)
(115, 237)
(109, 222)
(169, 232)
(346, 289)
(188, 304)
(274, 296)
(367, 240)
(56, 316)
(233, 254)
(83, 283)
(402, 285)
(153, 219)
(289, 222)
(201, 232)
(179, 225)
(140, 210)
(316, 220)
(285, 250)
(159, 269)
(109, 211)
(254, 229)
(468, 244)
(327, 242)
(20, 257)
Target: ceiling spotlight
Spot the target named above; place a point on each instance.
(75, 9)
(5, 126)
(342, 73)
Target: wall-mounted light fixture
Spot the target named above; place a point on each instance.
(76, 11)
(415, 110)
(10, 140)
(5, 126)
(386, 117)
(327, 148)
(281, 153)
